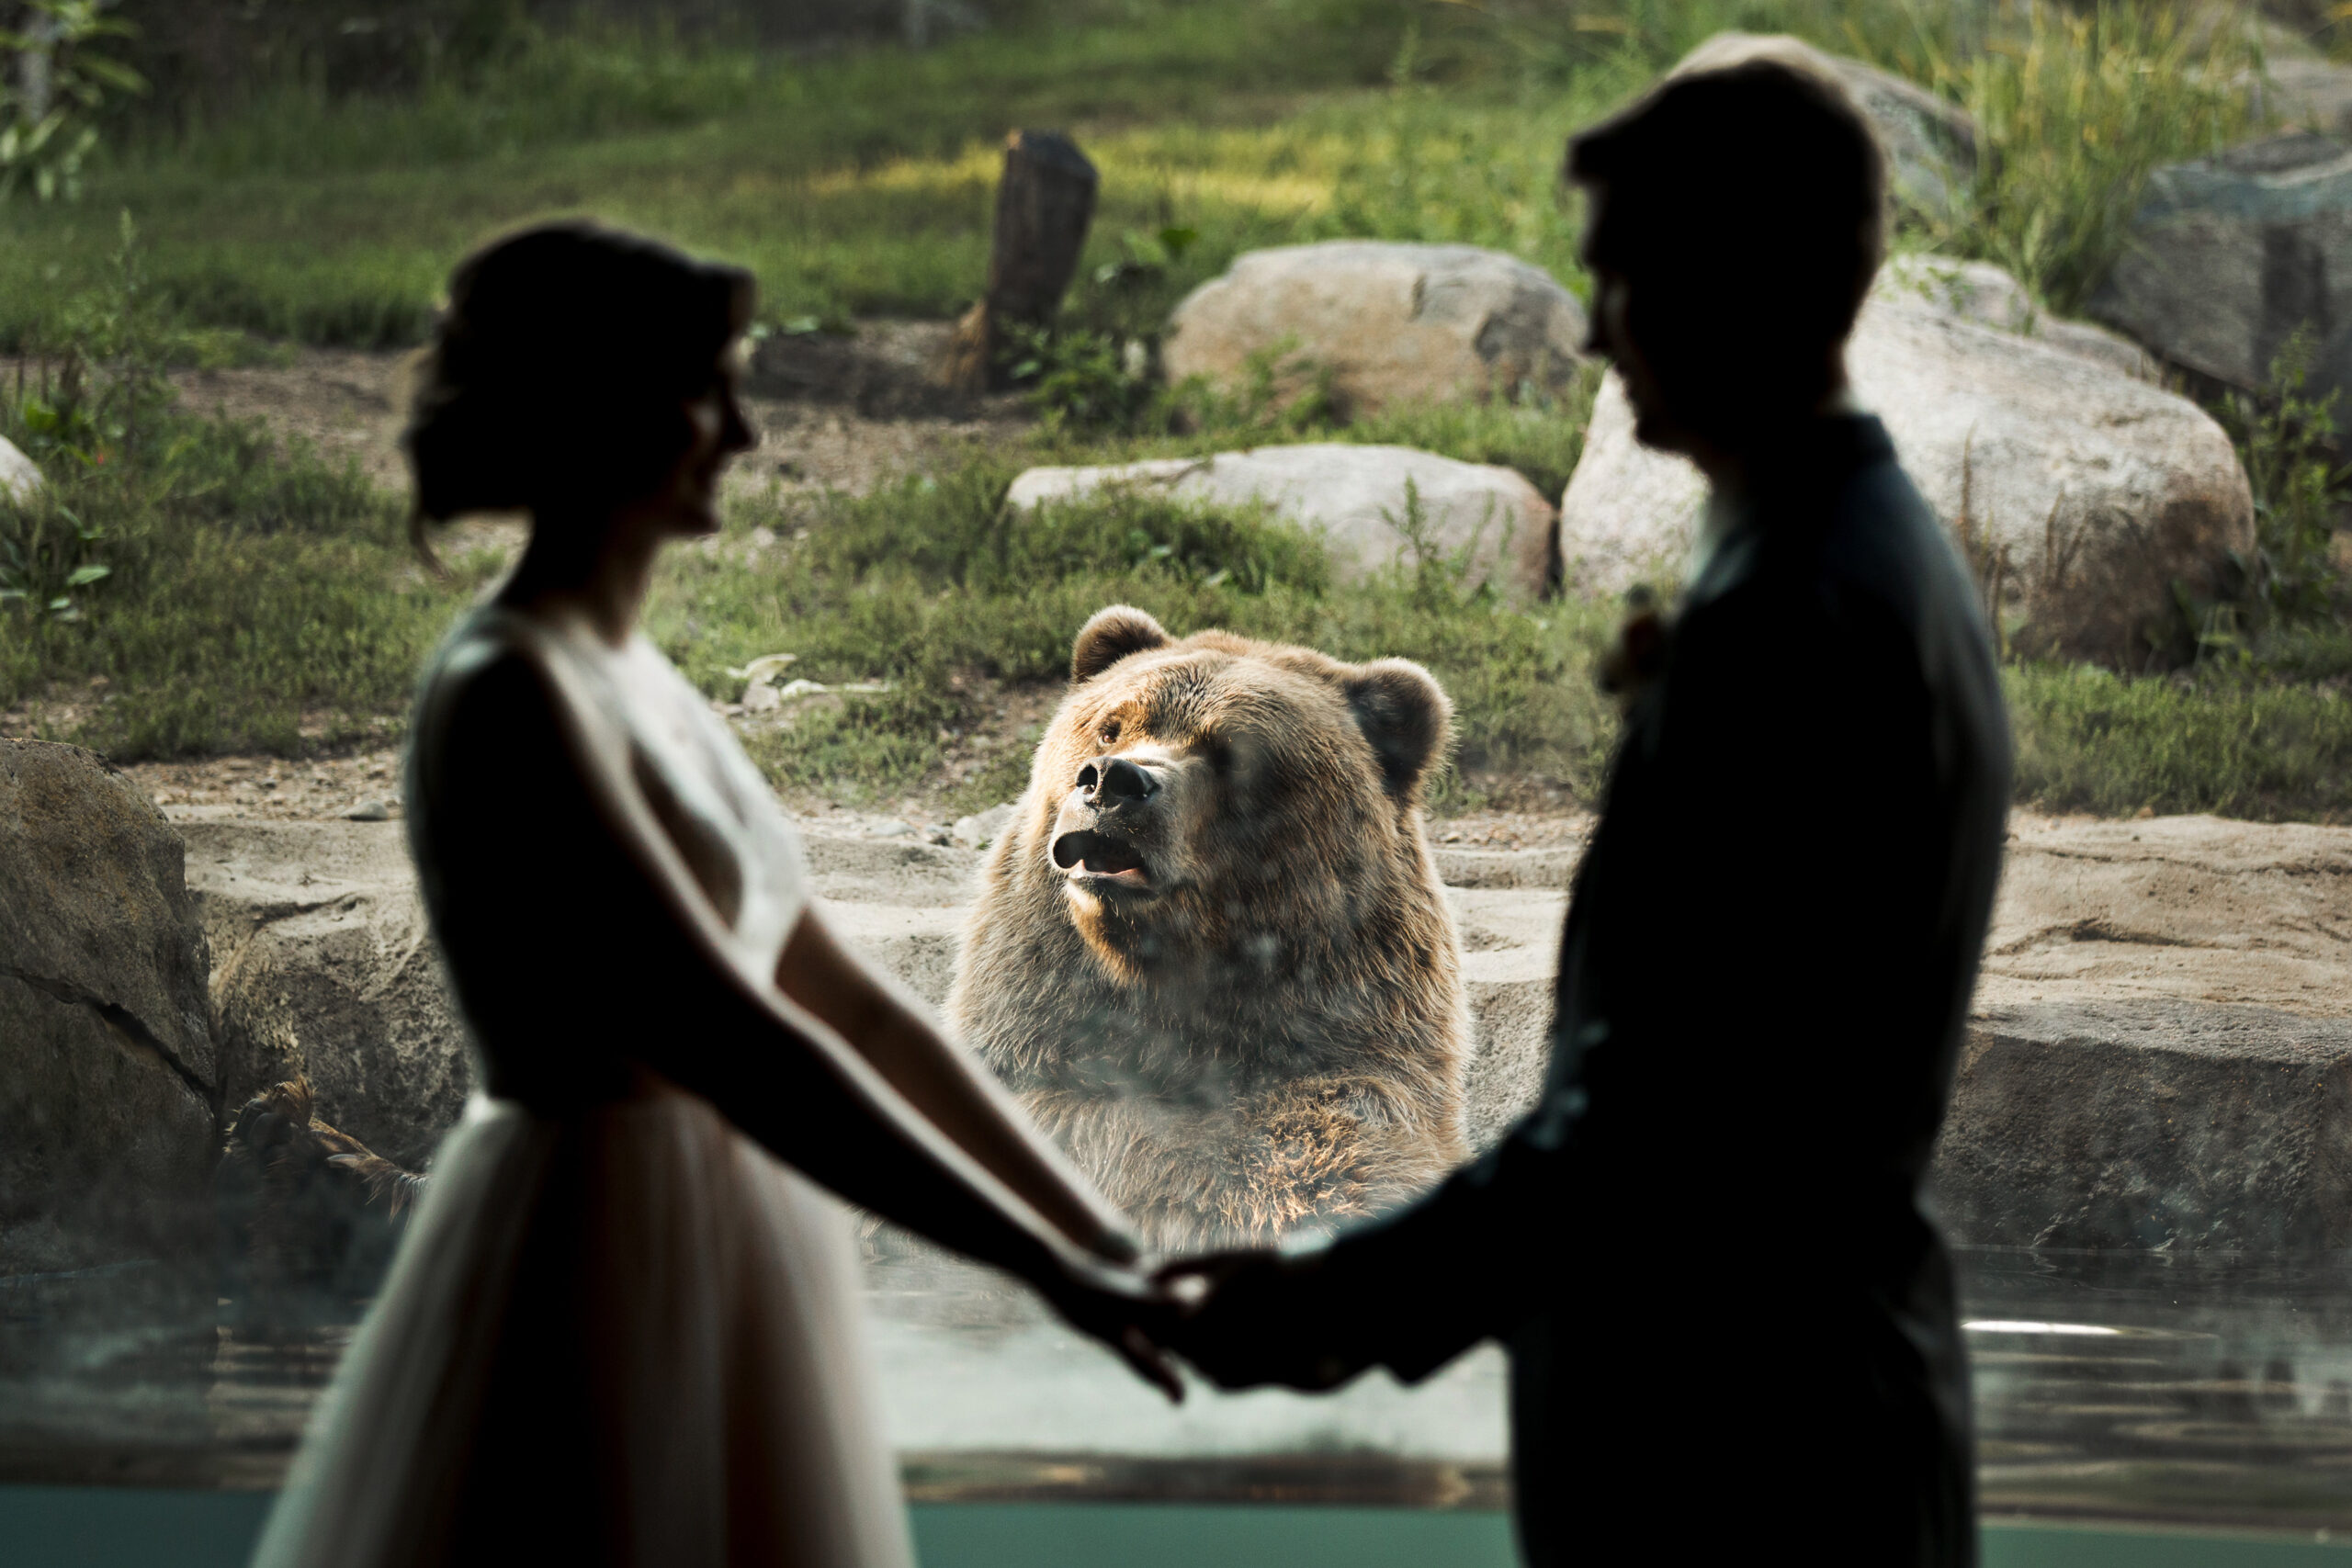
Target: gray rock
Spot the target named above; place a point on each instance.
(1930, 145)
(2079, 493)
(2229, 256)
(1979, 291)
(20, 477)
(1388, 323)
(982, 829)
(1360, 497)
(2152, 1124)
(108, 1081)
(2306, 92)
(322, 966)
(369, 811)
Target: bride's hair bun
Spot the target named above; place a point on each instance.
(559, 349)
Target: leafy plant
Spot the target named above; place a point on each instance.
(60, 84)
(46, 555)
(101, 384)
(2287, 442)
(1081, 377)
(2073, 110)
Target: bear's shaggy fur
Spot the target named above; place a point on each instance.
(1211, 951)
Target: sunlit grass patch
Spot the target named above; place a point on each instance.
(2092, 741)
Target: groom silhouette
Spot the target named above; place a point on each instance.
(1730, 1322)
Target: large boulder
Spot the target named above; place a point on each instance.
(1931, 145)
(323, 968)
(1361, 497)
(2079, 491)
(1388, 323)
(109, 1082)
(2229, 256)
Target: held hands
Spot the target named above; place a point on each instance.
(1131, 1312)
(1244, 1319)
(1253, 1317)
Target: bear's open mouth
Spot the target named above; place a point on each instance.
(1100, 858)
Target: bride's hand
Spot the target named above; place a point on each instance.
(1114, 1243)
(1126, 1309)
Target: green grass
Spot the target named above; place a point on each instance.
(933, 587)
(2091, 741)
(860, 183)
(247, 604)
(855, 184)
(252, 603)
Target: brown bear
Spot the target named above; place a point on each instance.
(1211, 951)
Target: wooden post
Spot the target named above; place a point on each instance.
(1043, 207)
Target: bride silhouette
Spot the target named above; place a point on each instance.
(621, 1329)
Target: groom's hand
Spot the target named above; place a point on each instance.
(1255, 1318)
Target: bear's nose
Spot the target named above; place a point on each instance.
(1117, 780)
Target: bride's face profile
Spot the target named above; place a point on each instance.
(687, 498)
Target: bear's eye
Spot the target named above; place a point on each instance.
(1109, 732)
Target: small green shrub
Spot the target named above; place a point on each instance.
(2287, 442)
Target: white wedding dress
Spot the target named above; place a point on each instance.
(619, 1332)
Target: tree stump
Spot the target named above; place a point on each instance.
(1043, 207)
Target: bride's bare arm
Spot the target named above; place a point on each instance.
(538, 826)
(958, 1095)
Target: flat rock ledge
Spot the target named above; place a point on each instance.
(2159, 1124)
(2159, 1059)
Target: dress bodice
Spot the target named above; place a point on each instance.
(709, 796)
(558, 1032)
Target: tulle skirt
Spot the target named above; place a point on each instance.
(622, 1334)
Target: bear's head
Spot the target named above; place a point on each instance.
(1211, 803)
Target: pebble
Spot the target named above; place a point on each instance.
(368, 811)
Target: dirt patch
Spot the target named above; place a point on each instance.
(842, 412)
(271, 789)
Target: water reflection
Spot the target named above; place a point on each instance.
(2215, 1388)
(2201, 1389)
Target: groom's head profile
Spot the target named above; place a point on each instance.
(1735, 216)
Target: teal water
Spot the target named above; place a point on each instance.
(90, 1526)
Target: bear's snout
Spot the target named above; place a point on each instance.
(1116, 782)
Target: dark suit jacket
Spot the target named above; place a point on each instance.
(1727, 1311)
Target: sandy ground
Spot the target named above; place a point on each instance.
(859, 417)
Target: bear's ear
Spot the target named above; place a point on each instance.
(1404, 712)
(1110, 635)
